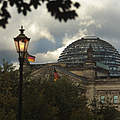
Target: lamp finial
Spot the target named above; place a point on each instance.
(21, 30)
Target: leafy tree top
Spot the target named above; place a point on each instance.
(60, 9)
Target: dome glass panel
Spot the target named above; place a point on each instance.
(103, 52)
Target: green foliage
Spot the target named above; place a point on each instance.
(81, 114)
(8, 97)
(108, 112)
(104, 111)
(42, 99)
(6, 67)
(47, 100)
(66, 97)
(35, 106)
(60, 9)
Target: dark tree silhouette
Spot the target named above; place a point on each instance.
(60, 9)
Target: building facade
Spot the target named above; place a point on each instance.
(99, 63)
(92, 62)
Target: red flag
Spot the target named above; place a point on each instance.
(56, 76)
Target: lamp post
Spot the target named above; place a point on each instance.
(21, 43)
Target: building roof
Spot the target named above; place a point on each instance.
(103, 53)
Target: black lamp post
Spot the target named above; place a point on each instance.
(21, 43)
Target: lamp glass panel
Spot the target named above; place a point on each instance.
(17, 46)
(26, 45)
(22, 46)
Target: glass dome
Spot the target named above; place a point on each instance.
(76, 53)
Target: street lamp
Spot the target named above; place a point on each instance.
(21, 43)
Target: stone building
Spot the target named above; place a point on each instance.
(92, 62)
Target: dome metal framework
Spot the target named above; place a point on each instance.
(76, 54)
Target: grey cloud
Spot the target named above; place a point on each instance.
(110, 28)
(101, 22)
(41, 46)
(8, 55)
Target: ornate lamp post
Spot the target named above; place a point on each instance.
(21, 43)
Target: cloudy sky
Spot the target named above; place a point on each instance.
(49, 36)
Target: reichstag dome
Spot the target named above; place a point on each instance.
(104, 54)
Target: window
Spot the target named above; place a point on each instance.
(115, 99)
(102, 99)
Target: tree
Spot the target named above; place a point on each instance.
(104, 111)
(35, 105)
(60, 100)
(60, 9)
(8, 95)
(43, 99)
(68, 98)
(108, 111)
